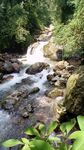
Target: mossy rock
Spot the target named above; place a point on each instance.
(53, 51)
(55, 93)
(74, 96)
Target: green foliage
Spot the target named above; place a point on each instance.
(11, 143)
(20, 20)
(70, 31)
(41, 137)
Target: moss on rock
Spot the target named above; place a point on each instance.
(74, 96)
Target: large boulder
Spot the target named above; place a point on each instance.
(36, 68)
(74, 97)
(53, 51)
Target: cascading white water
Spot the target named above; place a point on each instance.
(35, 54)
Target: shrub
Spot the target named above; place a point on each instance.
(41, 139)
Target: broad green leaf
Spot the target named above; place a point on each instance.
(40, 145)
(42, 128)
(11, 143)
(80, 120)
(78, 144)
(52, 127)
(25, 141)
(32, 131)
(76, 135)
(63, 146)
(67, 126)
(26, 147)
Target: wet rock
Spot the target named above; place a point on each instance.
(61, 82)
(44, 37)
(55, 93)
(70, 68)
(74, 97)
(50, 77)
(1, 59)
(58, 109)
(34, 90)
(12, 101)
(59, 54)
(24, 111)
(7, 78)
(9, 63)
(16, 67)
(36, 68)
(61, 65)
(1, 76)
(57, 83)
(27, 81)
(8, 104)
(8, 68)
(25, 114)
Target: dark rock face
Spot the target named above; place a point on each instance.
(59, 54)
(9, 64)
(74, 97)
(36, 68)
(8, 68)
(1, 77)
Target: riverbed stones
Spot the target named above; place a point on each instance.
(74, 97)
(37, 68)
(61, 65)
(25, 111)
(9, 64)
(11, 101)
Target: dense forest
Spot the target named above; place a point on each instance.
(21, 20)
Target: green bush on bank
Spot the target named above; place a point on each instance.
(41, 139)
(71, 33)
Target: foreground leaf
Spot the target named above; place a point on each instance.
(25, 141)
(42, 128)
(78, 144)
(11, 143)
(80, 120)
(32, 131)
(67, 126)
(26, 147)
(52, 127)
(76, 135)
(63, 146)
(40, 145)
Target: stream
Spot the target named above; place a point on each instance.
(11, 124)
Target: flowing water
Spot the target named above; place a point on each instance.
(34, 54)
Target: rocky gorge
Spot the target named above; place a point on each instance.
(33, 87)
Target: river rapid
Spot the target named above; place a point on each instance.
(11, 124)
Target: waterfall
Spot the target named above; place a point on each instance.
(35, 54)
